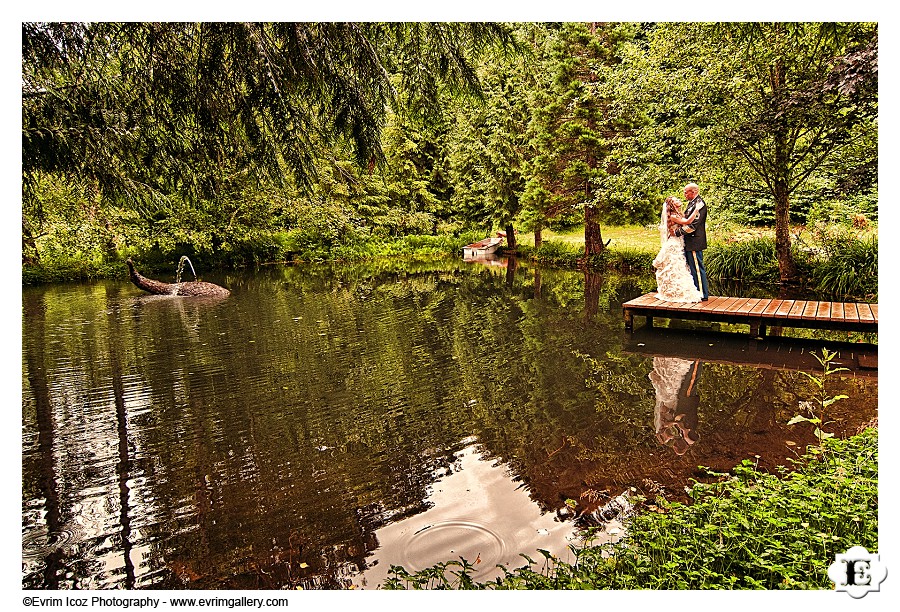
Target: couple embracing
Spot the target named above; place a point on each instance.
(680, 274)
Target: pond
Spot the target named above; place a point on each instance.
(325, 422)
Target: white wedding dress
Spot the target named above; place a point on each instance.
(674, 282)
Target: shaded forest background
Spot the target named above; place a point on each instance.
(243, 143)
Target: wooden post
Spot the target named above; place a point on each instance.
(757, 328)
(629, 320)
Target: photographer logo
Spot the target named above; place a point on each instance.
(857, 572)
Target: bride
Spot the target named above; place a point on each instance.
(673, 278)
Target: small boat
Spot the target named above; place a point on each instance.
(482, 247)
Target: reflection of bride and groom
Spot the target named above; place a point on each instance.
(680, 273)
(675, 416)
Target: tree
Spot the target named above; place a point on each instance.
(776, 102)
(148, 109)
(577, 124)
(490, 145)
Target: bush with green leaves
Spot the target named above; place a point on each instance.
(847, 264)
(843, 211)
(751, 260)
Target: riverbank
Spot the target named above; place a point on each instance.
(839, 264)
(748, 530)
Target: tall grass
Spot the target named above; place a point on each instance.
(848, 267)
(750, 260)
(558, 254)
(843, 264)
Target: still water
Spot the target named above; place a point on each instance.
(323, 423)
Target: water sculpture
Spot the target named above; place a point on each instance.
(189, 288)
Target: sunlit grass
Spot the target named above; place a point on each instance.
(628, 236)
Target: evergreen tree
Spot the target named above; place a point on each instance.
(490, 147)
(577, 125)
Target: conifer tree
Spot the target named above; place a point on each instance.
(577, 125)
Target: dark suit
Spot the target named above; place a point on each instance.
(695, 243)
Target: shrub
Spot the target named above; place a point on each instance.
(844, 212)
(847, 265)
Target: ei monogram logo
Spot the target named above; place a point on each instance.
(857, 572)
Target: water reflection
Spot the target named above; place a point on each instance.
(301, 432)
(477, 511)
(675, 382)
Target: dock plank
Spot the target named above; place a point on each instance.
(710, 304)
(748, 304)
(760, 306)
(642, 300)
(797, 309)
(760, 312)
(837, 312)
(809, 312)
(784, 308)
(722, 305)
(773, 306)
(865, 313)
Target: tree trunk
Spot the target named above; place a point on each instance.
(538, 237)
(593, 240)
(47, 469)
(510, 238)
(786, 268)
(593, 283)
(29, 244)
(511, 265)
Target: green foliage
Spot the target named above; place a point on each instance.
(845, 212)
(749, 530)
(243, 143)
(838, 263)
(558, 254)
(762, 115)
(847, 264)
(581, 127)
(752, 260)
(488, 144)
(817, 416)
(629, 260)
(147, 110)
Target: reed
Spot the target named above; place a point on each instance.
(750, 260)
(848, 267)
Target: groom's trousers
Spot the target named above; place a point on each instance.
(698, 270)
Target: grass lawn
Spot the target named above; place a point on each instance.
(631, 236)
(646, 238)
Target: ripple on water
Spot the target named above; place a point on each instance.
(38, 544)
(439, 542)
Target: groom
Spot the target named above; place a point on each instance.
(695, 237)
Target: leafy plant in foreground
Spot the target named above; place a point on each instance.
(823, 399)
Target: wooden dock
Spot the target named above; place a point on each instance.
(758, 313)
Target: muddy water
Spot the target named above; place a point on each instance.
(321, 424)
